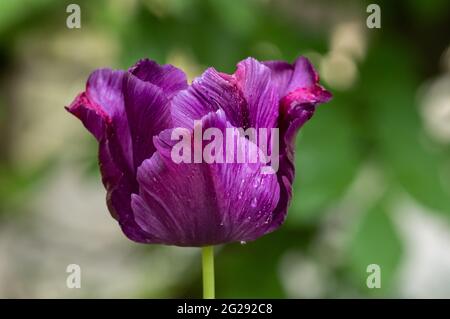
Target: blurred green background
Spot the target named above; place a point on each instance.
(373, 166)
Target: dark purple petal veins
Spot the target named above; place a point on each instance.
(124, 113)
(167, 77)
(300, 93)
(208, 93)
(203, 204)
(254, 80)
(247, 97)
(289, 77)
(158, 201)
(94, 118)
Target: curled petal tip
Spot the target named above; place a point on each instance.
(306, 97)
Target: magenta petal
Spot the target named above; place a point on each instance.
(248, 97)
(132, 115)
(147, 114)
(167, 77)
(124, 113)
(254, 80)
(92, 116)
(207, 203)
(289, 77)
(208, 93)
(101, 102)
(125, 110)
(300, 93)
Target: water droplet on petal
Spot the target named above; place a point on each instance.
(241, 193)
(154, 179)
(254, 202)
(257, 182)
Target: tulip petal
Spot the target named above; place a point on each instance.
(247, 97)
(123, 113)
(290, 124)
(167, 77)
(254, 80)
(288, 77)
(207, 203)
(208, 93)
(300, 93)
(147, 114)
(128, 110)
(92, 116)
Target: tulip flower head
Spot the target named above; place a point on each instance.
(201, 164)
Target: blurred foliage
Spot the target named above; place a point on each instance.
(374, 121)
(374, 242)
(15, 185)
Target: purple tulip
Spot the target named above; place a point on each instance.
(155, 200)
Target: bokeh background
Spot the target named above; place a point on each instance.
(373, 166)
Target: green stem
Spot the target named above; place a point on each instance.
(208, 272)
